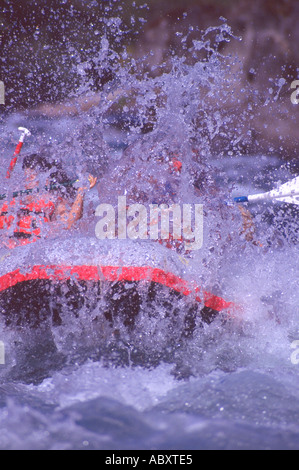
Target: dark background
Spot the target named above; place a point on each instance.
(42, 43)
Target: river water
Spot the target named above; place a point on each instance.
(233, 384)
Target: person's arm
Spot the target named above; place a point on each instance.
(248, 226)
(76, 211)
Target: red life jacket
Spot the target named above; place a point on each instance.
(29, 218)
(6, 219)
(176, 165)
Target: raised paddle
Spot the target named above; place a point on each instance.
(25, 132)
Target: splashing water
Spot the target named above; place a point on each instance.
(70, 385)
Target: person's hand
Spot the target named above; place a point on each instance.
(92, 181)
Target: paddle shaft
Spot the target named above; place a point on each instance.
(14, 159)
(288, 192)
(17, 151)
(261, 197)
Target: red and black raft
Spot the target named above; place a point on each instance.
(117, 281)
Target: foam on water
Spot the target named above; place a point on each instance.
(232, 384)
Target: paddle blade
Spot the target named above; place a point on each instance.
(289, 200)
(288, 189)
(288, 192)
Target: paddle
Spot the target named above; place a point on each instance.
(287, 193)
(25, 132)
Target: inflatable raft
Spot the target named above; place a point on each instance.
(112, 279)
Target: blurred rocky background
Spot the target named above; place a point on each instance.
(47, 47)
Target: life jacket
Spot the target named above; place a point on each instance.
(31, 217)
(28, 218)
(6, 218)
(176, 165)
